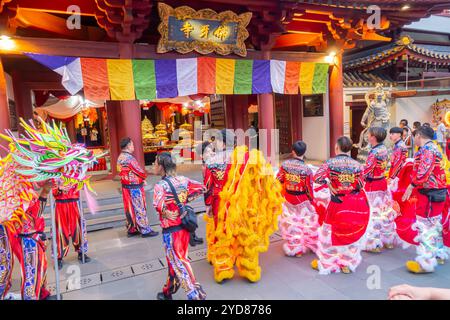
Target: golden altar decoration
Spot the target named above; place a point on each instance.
(161, 132)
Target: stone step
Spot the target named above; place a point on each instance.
(112, 215)
(104, 201)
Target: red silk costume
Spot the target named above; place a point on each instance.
(375, 168)
(381, 229)
(407, 215)
(299, 220)
(348, 210)
(427, 174)
(28, 245)
(68, 221)
(215, 177)
(175, 238)
(297, 180)
(398, 158)
(132, 178)
(347, 215)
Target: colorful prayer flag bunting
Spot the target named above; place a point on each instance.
(122, 79)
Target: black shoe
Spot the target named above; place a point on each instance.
(192, 241)
(132, 234)
(162, 296)
(60, 264)
(86, 258)
(197, 239)
(53, 297)
(150, 234)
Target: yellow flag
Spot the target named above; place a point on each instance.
(225, 76)
(120, 75)
(305, 81)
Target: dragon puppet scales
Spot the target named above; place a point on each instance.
(38, 157)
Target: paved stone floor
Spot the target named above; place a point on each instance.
(134, 268)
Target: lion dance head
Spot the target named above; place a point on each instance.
(36, 157)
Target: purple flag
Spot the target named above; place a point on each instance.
(261, 77)
(166, 78)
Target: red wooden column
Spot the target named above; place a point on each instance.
(266, 120)
(266, 115)
(4, 110)
(112, 112)
(229, 110)
(296, 119)
(336, 98)
(22, 98)
(131, 113)
(240, 112)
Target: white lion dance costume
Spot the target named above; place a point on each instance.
(38, 157)
(423, 218)
(299, 220)
(346, 218)
(381, 230)
(250, 203)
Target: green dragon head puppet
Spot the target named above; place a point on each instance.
(39, 156)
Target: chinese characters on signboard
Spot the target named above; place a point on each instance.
(183, 29)
(202, 30)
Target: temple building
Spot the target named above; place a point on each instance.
(414, 68)
(146, 69)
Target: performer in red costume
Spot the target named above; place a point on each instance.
(399, 179)
(347, 216)
(381, 230)
(299, 221)
(406, 214)
(175, 237)
(133, 181)
(216, 172)
(28, 245)
(204, 151)
(69, 224)
(399, 152)
(428, 187)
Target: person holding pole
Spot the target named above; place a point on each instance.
(69, 224)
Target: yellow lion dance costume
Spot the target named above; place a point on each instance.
(250, 204)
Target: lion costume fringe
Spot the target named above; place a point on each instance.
(250, 204)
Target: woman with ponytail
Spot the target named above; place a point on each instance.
(175, 237)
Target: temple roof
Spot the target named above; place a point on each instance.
(383, 56)
(366, 79)
(298, 25)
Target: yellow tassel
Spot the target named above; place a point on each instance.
(248, 214)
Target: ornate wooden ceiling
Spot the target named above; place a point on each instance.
(277, 24)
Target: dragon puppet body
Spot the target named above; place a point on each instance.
(35, 158)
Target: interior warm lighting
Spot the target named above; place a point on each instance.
(331, 58)
(406, 7)
(6, 43)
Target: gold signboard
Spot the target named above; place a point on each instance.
(183, 29)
